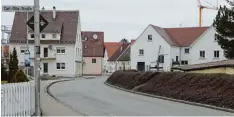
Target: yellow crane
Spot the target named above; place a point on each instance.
(201, 7)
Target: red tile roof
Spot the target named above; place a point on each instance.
(119, 51)
(111, 47)
(94, 47)
(66, 22)
(132, 41)
(184, 36)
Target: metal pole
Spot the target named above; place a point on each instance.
(37, 57)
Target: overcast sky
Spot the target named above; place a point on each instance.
(126, 18)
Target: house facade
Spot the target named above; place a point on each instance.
(93, 53)
(121, 58)
(110, 49)
(174, 46)
(61, 44)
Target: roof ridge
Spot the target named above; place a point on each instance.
(173, 39)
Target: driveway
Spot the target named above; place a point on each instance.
(92, 97)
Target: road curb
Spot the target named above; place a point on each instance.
(61, 102)
(171, 99)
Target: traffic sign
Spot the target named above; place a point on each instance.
(17, 8)
(42, 24)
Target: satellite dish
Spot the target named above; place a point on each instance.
(95, 36)
(50, 47)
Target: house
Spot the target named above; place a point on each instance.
(224, 66)
(61, 44)
(93, 52)
(110, 49)
(121, 58)
(162, 48)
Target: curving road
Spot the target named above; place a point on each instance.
(93, 98)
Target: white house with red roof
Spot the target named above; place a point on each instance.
(61, 43)
(174, 46)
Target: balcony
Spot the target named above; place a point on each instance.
(45, 56)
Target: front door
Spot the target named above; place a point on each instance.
(141, 66)
(45, 67)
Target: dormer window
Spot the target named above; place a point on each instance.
(43, 35)
(54, 35)
(85, 38)
(32, 35)
(85, 46)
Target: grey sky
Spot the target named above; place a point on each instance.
(125, 18)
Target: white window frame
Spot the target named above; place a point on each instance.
(54, 35)
(60, 50)
(204, 54)
(186, 49)
(150, 37)
(61, 65)
(215, 53)
(43, 35)
(23, 49)
(141, 50)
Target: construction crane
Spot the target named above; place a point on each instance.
(201, 7)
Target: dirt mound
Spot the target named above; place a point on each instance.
(212, 89)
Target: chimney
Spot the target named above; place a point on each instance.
(54, 12)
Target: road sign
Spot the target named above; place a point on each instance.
(17, 8)
(43, 23)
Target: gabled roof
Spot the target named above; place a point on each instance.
(66, 23)
(215, 64)
(119, 51)
(111, 47)
(125, 56)
(94, 47)
(182, 37)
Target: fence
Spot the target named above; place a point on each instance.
(17, 99)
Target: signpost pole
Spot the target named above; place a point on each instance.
(37, 57)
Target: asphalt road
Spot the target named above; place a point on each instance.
(92, 97)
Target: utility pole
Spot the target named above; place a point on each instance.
(37, 57)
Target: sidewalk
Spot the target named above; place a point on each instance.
(50, 106)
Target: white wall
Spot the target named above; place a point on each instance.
(68, 58)
(207, 43)
(121, 64)
(105, 63)
(150, 49)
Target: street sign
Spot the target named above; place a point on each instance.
(17, 8)
(42, 24)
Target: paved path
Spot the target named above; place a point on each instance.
(51, 107)
(92, 97)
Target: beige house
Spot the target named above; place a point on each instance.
(93, 53)
(225, 66)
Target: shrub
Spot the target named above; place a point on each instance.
(20, 77)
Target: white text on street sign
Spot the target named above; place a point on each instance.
(17, 8)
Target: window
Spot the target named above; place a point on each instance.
(216, 54)
(54, 35)
(60, 50)
(161, 59)
(149, 37)
(93, 60)
(23, 49)
(43, 35)
(186, 50)
(85, 38)
(32, 35)
(60, 65)
(185, 62)
(177, 58)
(141, 52)
(202, 54)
